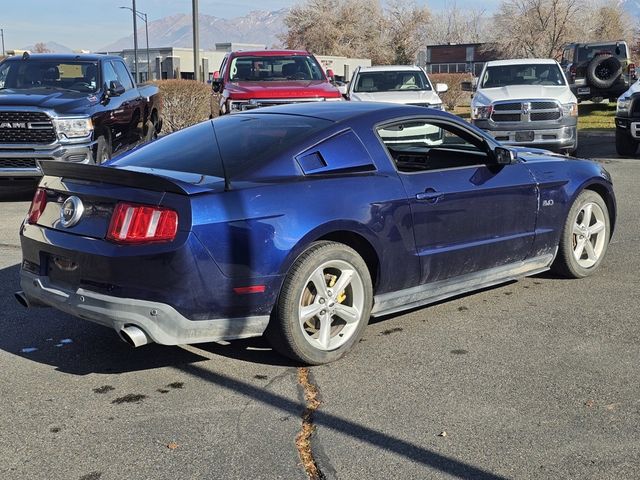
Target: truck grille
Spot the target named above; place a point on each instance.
(18, 162)
(268, 102)
(537, 111)
(26, 127)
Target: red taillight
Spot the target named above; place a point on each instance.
(133, 223)
(631, 70)
(37, 205)
(249, 290)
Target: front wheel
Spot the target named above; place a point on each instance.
(626, 146)
(585, 237)
(103, 150)
(324, 305)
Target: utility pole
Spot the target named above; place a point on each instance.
(135, 41)
(196, 42)
(2, 33)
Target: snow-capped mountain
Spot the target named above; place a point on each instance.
(175, 31)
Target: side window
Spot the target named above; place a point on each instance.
(123, 75)
(420, 145)
(109, 74)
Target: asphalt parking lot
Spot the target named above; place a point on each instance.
(534, 379)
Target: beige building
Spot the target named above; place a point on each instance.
(176, 62)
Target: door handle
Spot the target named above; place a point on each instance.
(430, 195)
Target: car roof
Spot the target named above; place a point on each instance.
(342, 111)
(65, 57)
(390, 68)
(267, 53)
(521, 61)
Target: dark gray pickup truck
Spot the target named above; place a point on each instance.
(72, 108)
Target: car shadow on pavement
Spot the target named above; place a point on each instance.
(403, 448)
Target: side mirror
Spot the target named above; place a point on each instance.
(115, 88)
(504, 156)
(216, 85)
(441, 87)
(466, 86)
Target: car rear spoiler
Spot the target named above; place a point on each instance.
(117, 176)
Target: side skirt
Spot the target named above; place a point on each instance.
(413, 297)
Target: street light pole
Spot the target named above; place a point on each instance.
(2, 32)
(135, 40)
(196, 42)
(146, 31)
(143, 16)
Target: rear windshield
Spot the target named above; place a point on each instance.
(589, 51)
(273, 68)
(535, 74)
(79, 76)
(244, 141)
(391, 81)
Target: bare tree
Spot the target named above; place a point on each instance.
(334, 27)
(535, 28)
(41, 47)
(407, 27)
(359, 28)
(454, 25)
(610, 23)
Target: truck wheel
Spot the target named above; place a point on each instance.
(103, 150)
(324, 305)
(603, 71)
(149, 132)
(626, 146)
(585, 237)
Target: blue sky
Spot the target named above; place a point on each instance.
(94, 23)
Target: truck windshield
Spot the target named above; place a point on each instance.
(532, 74)
(391, 81)
(270, 68)
(587, 52)
(68, 75)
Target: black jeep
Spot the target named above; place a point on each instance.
(598, 71)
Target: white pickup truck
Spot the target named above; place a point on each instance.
(526, 102)
(405, 84)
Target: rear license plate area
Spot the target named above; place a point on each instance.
(63, 271)
(584, 91)
(526, 136)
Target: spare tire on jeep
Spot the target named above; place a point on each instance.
(603, 71)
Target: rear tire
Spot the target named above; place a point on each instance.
(585, 237)
(625, 145)
(324, 305)
(103, 150)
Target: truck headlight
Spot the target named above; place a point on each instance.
(237, 106)
(481, 112)
(437, 106)
(570, 109)
(72, 128)
(624, 103)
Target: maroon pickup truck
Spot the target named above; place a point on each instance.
(261, 78)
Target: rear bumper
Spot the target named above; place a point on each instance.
(162, 323)
(20, 161)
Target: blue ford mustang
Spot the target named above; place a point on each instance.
(300, 222)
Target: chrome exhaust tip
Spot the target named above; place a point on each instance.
(134, 336)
